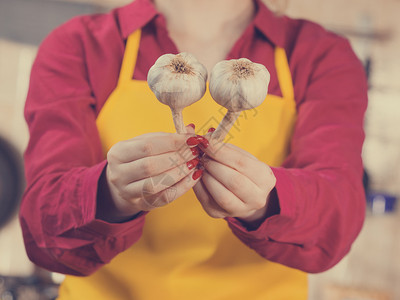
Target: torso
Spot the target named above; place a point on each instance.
(183, 253)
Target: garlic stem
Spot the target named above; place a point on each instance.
(178, 120)
(226, 124)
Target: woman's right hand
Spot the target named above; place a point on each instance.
(150, 171)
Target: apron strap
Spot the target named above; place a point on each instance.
(283, 73)
(130, 56)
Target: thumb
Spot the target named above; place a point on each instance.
(190, 128)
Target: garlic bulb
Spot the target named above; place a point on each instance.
(237, 84)
(177, 81)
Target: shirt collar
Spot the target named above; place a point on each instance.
(140, 12)
(135, 15)
(269, 24)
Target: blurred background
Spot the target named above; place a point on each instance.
(371, 271)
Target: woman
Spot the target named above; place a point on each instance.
(112, 196)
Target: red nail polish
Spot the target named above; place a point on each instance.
(192, 125)
(192, 141)
(203, 141)
(192, 163)
(197, 174)
(195, 151)
(212, 129)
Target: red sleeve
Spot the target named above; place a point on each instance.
(64, 163)
(319, 187)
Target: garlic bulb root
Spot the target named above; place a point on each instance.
(237, 84)
(177, 81)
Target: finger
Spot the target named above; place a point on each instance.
(154, 165)
(238, 149)
(153, 185)
(223, 197)
(217, 144)
(228, 154)
(238, 184)
(171, 193)
(190, 128)
(241, 161)
(148, 145)
(206, 201)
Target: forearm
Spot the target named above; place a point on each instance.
(61, 232)
(109, 206)
(320, 217)
(319, 186)
(63, 164)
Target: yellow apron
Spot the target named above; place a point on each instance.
(184, 253)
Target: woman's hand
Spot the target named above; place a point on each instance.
(234, 184)
(149, 171)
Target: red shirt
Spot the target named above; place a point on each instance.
(319, 187)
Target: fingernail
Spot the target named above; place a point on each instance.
(195, 151)
(197, 174)
(192, 125)
(192, 141)
(203, 141)
(192, 163)
(212, 129)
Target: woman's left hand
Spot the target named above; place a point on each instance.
(234, 183)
